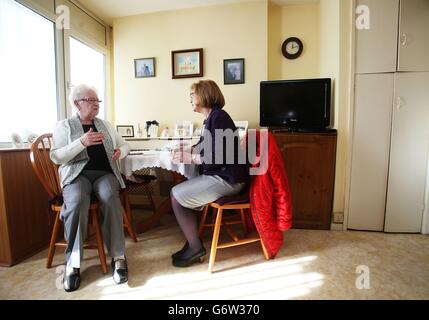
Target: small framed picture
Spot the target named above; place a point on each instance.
(233, 71)
(187, 63)
(125, 131)
(144, 68)
(184, 129)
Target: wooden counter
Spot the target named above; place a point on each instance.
(24, 221)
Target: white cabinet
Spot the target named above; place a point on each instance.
(382, 49)
(376, 48)
(413, 47)
(390, 158)
(409, 153)
(371, 147)
(389, 182)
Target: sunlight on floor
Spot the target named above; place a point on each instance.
(282, 279)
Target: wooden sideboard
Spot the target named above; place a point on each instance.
(24, 221)
(309, 159)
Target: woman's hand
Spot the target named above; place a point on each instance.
(116, 155)
(92, 138)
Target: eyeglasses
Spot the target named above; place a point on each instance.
(91, 100)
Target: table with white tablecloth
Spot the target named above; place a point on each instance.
(137, 161)
(155, 159)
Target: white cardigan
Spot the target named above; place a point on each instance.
(64, 150)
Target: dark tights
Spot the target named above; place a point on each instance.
(188, 222)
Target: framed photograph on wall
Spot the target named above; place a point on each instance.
(125, 131)
(144, 68)
(233, 71)
(187, 63)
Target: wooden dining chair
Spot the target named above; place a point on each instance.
(132, 186)
(47, 173)
(237, 203)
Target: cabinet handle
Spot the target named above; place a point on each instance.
(404, 39)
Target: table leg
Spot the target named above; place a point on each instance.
(164, 208)
(177, 178)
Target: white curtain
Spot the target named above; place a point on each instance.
(28, 102)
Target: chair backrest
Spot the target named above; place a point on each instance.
(45, 169)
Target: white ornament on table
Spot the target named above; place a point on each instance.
(16, 140)
(139, 131)
(152, 129)
(31, 137)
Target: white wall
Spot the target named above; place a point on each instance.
(300, 21)
(224, 32)
(254, 31)
(336, 23)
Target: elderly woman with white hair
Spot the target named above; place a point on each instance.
(87, 149)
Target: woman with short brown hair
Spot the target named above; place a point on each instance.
(220, 172)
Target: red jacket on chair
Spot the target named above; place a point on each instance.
(270, 197)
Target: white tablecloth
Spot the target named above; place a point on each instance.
(155, 159)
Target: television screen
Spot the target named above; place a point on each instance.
(299, 104)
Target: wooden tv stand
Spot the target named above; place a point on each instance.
(309, 159)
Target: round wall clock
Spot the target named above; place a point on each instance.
(292, 48)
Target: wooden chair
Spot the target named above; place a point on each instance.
(47, 173)
(237, 203)
(144, 181)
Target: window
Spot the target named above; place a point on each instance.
(28, 91)
(87, 66)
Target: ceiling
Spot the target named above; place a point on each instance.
(107, 10)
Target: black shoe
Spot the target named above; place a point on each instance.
(197, 257)
(119, 271)
(179, 253)
(185, 247)
(72, 282)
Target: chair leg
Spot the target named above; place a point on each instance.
(265, 251)
(203, 221)
(54, 236)
(127, 215)
(213, 216)
(243, 221)
(149, 195)
(215, 239)
(126, 203)
(99, 238)
(129, 228)
(231, 232)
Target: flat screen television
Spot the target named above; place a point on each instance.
(296, 104)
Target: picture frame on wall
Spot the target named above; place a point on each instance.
(187, 63)
(125, 131)
(144, 67)
(233, 71)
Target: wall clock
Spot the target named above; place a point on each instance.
(292, 48)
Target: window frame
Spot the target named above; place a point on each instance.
(44, 13)
(62, 53)
(79, 36)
